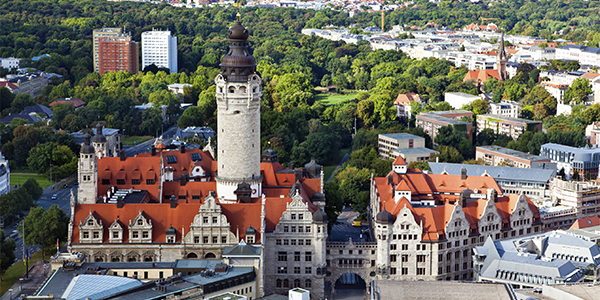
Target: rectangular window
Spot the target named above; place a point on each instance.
(150, 181)
(205, 239)
(392, 271)
(214, 219)
(286, 242)
(293, 228)
(300, 229)
(440, 257)
(135, 234)
(282, 256)
(393, 258)
(404, 257)
(120, 181)
(145, 234)
(282, 270)
(300, 242)
(308, 256)
(308, 270)
(300, 217)
(182, 197)
(214, 239)
(115, 234)
(205, 220)
(293, 216)
(404, 271)
(296, 256)
(286, 228)
(135, 181)
(197, 239)
(195, 197)
(223, 240)
(420, 258)
(404, 246)
(96, 234)
(296, 270)
(465, 253)
(307, 229)
(393, 247)
(420, 271)
(307, 243)
(160, 274)
(106, 181)
(277, 242)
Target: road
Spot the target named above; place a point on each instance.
(131, 151)
(63, 200)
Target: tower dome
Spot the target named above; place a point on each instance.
(384, 217)
(238, 64)
(99, 137)
(313, 168)
(87, 148)
(250, 231)
(319, 216)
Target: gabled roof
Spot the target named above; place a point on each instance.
(72, 101)
(405, 99)
(241, 249)
(482, 75)
(586, 222)
(399, 161)
(25, 117)
(9, 85)
(38, 108)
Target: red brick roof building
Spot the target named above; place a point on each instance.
(118, 53)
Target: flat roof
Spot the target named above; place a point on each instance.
(512, 152)
(448, 290)
(509, 119)
(509, 173)
(401, 136)
(418, 150)
(442, 119)
(461, 94)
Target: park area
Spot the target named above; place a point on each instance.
(20, 178)
(333, 99)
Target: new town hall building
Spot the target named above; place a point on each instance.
(183, 204)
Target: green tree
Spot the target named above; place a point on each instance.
(578, 92)
(192, 116)
(51, 223)
(7, 252)
(354, 185)
(480, 107)
(448, 154)
(334, 203)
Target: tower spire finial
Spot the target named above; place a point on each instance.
(238, 15)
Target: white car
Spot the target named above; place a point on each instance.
(54, 197)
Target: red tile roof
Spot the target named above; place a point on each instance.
(73, 101)
(482, 75)
(585, 222)
(399, 161)
(405, 99)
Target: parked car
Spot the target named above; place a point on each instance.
(54, 197)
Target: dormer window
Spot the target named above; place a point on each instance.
(90, 222)
(140, 222)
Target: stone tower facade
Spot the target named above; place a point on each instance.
(99, 142)
(238, 118)
(88, 172)
(383, 232)
(501, 59)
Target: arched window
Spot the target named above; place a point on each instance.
(286, 283)
(192, 255)
(296, 283)
(243, 89)
(232, 89)
(210, 255)
(278, 283)
(308, 284)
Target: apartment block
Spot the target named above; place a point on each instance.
(30, 83)
(506, 108)
(159, 48)
(9, 63)
(512, 127)
(457, 100)
(498, 156)
(409, 146)
(118, 53)
(432, 121)
(584, 160)
(98, 33)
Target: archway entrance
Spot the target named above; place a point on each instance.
(350, 286)
(210, 255)
(192, 255)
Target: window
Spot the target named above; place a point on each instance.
(404, 271)
(282, 270)
(135, 234)
(296, 283)
(214, 239)
(308, 256)
(449, 256)
(286, 242)
(293, 217)
(140, 222)
(420, 271)
(115, 234)
(214, 219)
(392, 271)
(308, 283)
(205, 220)
(145, 234)
(293, 228)
(307, 228)
(465, 253)
(196, 239)
(282, 256)
(404, 257)
(223, 240)
(420, 258)
(277, 242)
(393, 247)
(300, 229)
(296, 256)
(393, 258)
(440, 258)
(135, 181)
(457, 254)
(307, 243)
(300, 217)
(308, 270)
(464, 266)
(205, 239)
(424, 247)
(106, 181)
(278, 283)
(296, 270)
(286, 228)
(404, 246)
(120, 181)
(86, 235)
(150, 181)
(160, 274)
(300, 242)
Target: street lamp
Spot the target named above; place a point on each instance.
(51, 174)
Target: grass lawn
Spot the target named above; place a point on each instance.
(129, 140)
(333, 99)
(15, 178)
(16, 271)
(327, 171)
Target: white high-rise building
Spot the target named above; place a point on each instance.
(159, 48)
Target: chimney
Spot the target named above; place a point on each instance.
(463, 174)
(298, 173)
(122, 155)
(120, 202)
(153, 150)
(173, 201)
(182, 148)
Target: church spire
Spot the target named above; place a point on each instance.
(501, 59)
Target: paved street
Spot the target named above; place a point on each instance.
(131, 151)
(343, 230)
